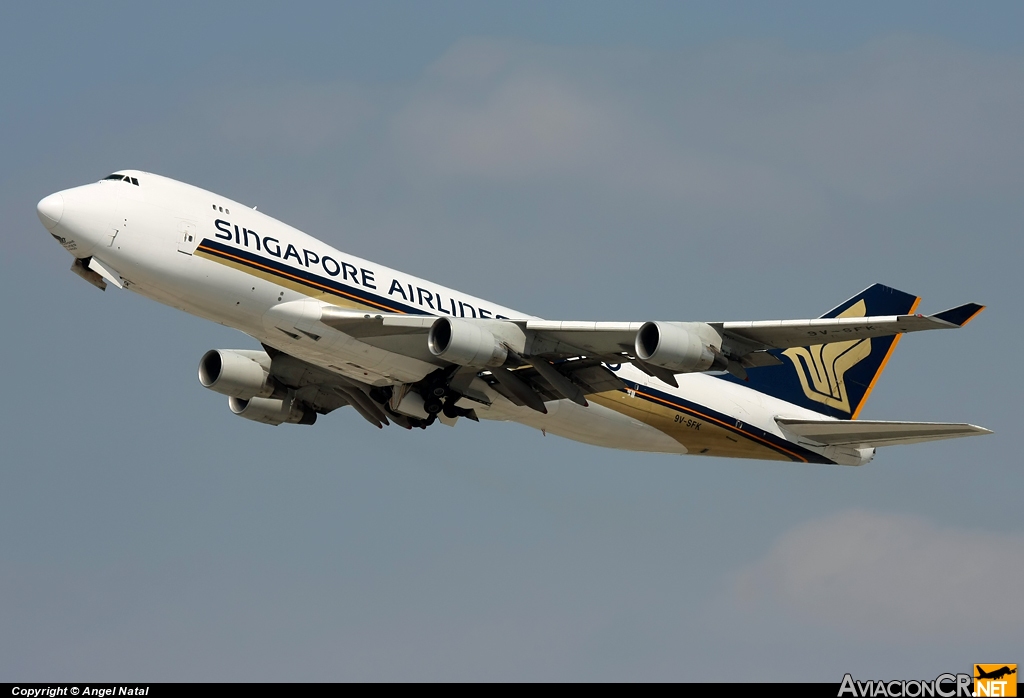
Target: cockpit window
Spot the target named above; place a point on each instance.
(122, 178)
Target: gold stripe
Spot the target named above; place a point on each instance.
(218, 253)
(724, 424)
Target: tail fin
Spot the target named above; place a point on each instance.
(836, 379)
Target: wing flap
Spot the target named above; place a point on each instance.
(874, 433)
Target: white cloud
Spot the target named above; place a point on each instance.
(902, 576)
(741, 125)
(524, 126)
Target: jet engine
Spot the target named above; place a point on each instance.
(237, 373)
(673, 347)
(273, 411)
(465, 343)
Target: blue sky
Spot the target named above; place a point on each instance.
(689, 161)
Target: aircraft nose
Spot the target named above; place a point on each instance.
(50, 209)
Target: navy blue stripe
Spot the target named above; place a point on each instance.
(736, 426)
(316, 282)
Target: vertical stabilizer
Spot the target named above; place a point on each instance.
(835, 379)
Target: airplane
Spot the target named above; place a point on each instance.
(338, 331)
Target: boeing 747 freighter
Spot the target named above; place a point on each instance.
(340, 331)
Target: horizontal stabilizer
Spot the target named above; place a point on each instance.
(867, 434)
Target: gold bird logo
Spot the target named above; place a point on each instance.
(821, 367)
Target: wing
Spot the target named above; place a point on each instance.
(783, 334)
(521, 374)
(531, 361)
(873, 434)
(660, 349)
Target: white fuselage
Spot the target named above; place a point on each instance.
(226, 262)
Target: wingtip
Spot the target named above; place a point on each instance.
(960, 315)
(975, 314)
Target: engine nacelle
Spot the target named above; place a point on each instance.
(673, 347)
(272, 411)
(465, 343)
(237, 373)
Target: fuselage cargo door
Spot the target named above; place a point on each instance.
(188, 240)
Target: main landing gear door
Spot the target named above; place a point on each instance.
(188, 240)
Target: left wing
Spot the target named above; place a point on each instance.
(783, 334)
(532, 361)
(660, 349)
(741, 338)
